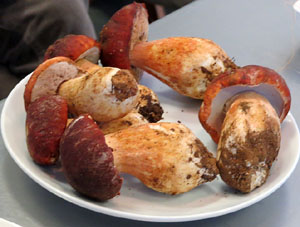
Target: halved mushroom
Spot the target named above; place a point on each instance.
(123, 31)
(74, 47)
(186, 64)
(242, 111)
(48, 76)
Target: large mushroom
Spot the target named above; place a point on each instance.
(166, 157)
(242, 111)
(185, 64)
(87, 161)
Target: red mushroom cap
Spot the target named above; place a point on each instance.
(127, 27)
(74, 47)
(256, 78)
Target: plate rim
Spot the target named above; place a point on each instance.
(129, 215)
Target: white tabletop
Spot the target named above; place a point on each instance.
(264, 32)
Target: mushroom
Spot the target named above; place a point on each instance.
(106, 94)
(185, 64)
(45, 123)
(74, 47)
(148, 103)
(166, 157)
(87, 161)
(127, 27)
(242, 111)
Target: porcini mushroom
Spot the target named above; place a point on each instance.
(74, 47)
(87, 161)
(45, 123)
(185, 64)
(127, 27)
(166, 157)
(106, 94)
(242, 111)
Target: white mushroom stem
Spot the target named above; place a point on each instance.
(166, 157)
(249, 142)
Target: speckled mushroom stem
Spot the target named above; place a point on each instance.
(249, 142)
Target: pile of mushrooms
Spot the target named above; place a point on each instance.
(99, 122)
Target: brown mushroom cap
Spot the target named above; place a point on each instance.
(47, 77)
(87, 161)
(74, 47)
(256, 78)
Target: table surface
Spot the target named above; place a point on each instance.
(263, 32)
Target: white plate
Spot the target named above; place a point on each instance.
(5, 223)
(136, 201)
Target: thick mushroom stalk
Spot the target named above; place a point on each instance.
(185, 64)
(249, 142)
(242, 111)
(166, 157)
(108, 94)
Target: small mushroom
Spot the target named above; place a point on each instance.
(242, 111)
(185, 64)
(74, 47)
(127, 27)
